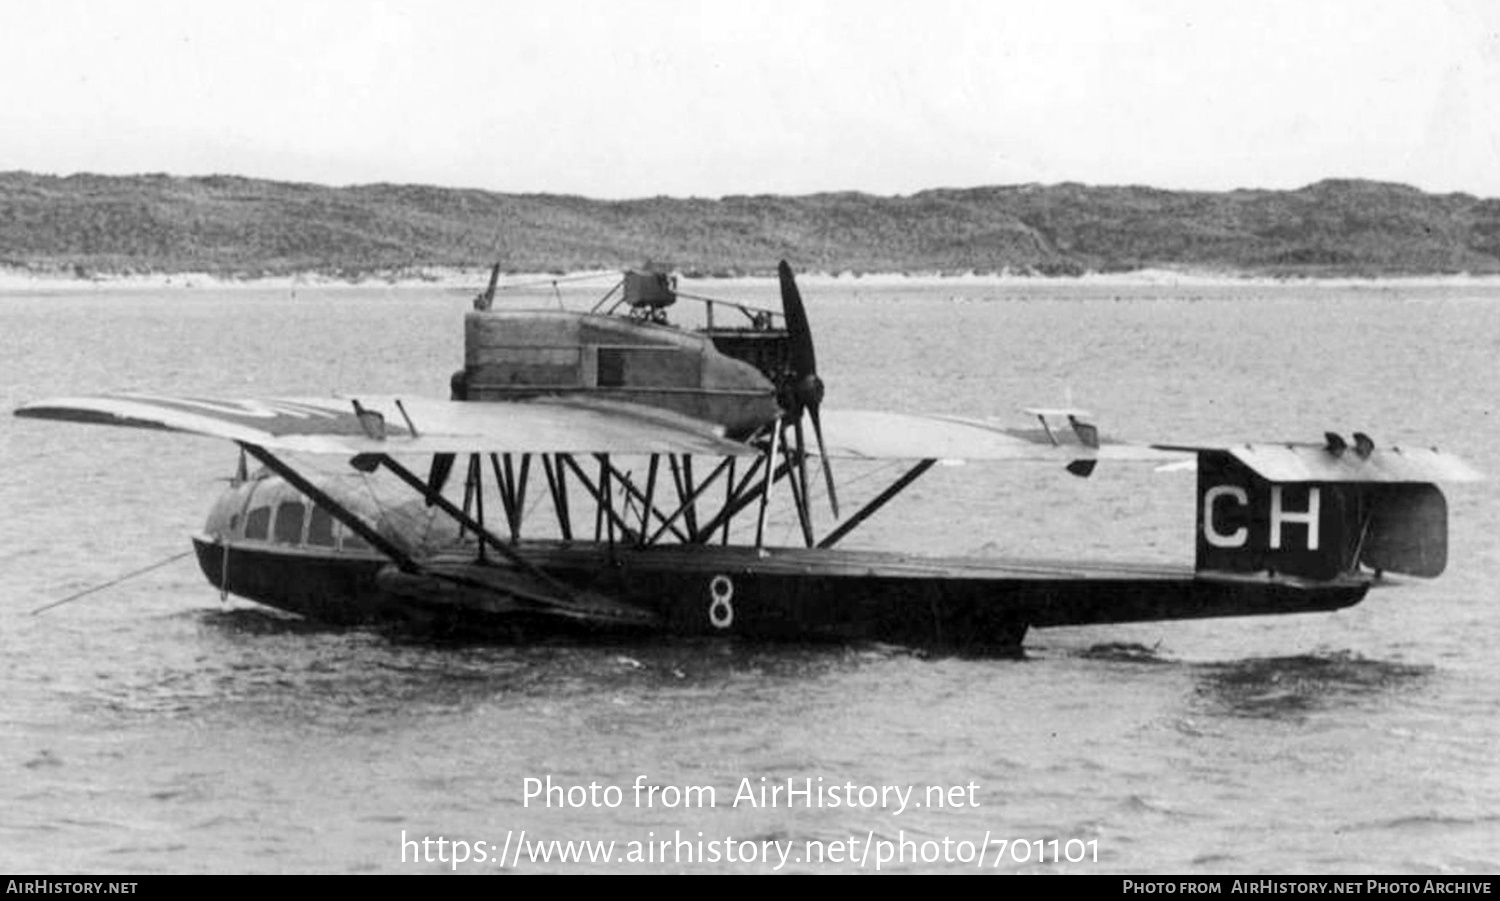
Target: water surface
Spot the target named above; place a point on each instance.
(154, 727)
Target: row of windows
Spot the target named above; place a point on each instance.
(297, 522)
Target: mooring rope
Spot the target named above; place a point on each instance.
(130, 575)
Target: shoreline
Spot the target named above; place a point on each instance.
(455, 279)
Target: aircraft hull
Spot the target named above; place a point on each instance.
(971, 605)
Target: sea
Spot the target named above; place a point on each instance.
(153, 726)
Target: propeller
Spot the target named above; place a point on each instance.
(804, 390)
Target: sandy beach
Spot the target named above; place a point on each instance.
(14, 280)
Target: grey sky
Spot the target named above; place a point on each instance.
(644, 97)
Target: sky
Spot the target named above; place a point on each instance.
(639, 98)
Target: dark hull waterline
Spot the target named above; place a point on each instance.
(787, 594)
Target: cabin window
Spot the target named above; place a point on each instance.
(288, 529)
(320, 528)
(258, 523)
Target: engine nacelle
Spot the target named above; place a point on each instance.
(509, 355)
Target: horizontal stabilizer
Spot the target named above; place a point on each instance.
(1288, 463)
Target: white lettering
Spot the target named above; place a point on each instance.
(1308, 518)
(1239, 536)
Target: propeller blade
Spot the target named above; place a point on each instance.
(804, 358)
(833, 496)
(801, 460)
(806, 387)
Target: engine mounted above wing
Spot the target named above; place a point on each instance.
(514, 354)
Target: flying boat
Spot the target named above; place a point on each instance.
(611, 472)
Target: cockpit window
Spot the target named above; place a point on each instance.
(258, 523)
(288, 528)
(320, 528)
(610, 369)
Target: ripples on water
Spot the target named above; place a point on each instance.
(152, 728)
(1284, 688)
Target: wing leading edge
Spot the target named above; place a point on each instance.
(868, 434)
(1289, 462)
(403, 426)
(340, 425)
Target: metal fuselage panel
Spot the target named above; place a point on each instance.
(338, 589)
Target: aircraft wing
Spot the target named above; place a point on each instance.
(331, 425)
(869, 434)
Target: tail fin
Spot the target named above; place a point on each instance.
(1311, 512)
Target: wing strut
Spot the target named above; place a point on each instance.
(685, 509)
(335, 509)
(880, 500)
(765, 495)
(603, 510)
(484, 534)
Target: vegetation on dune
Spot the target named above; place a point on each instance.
(232, 226)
